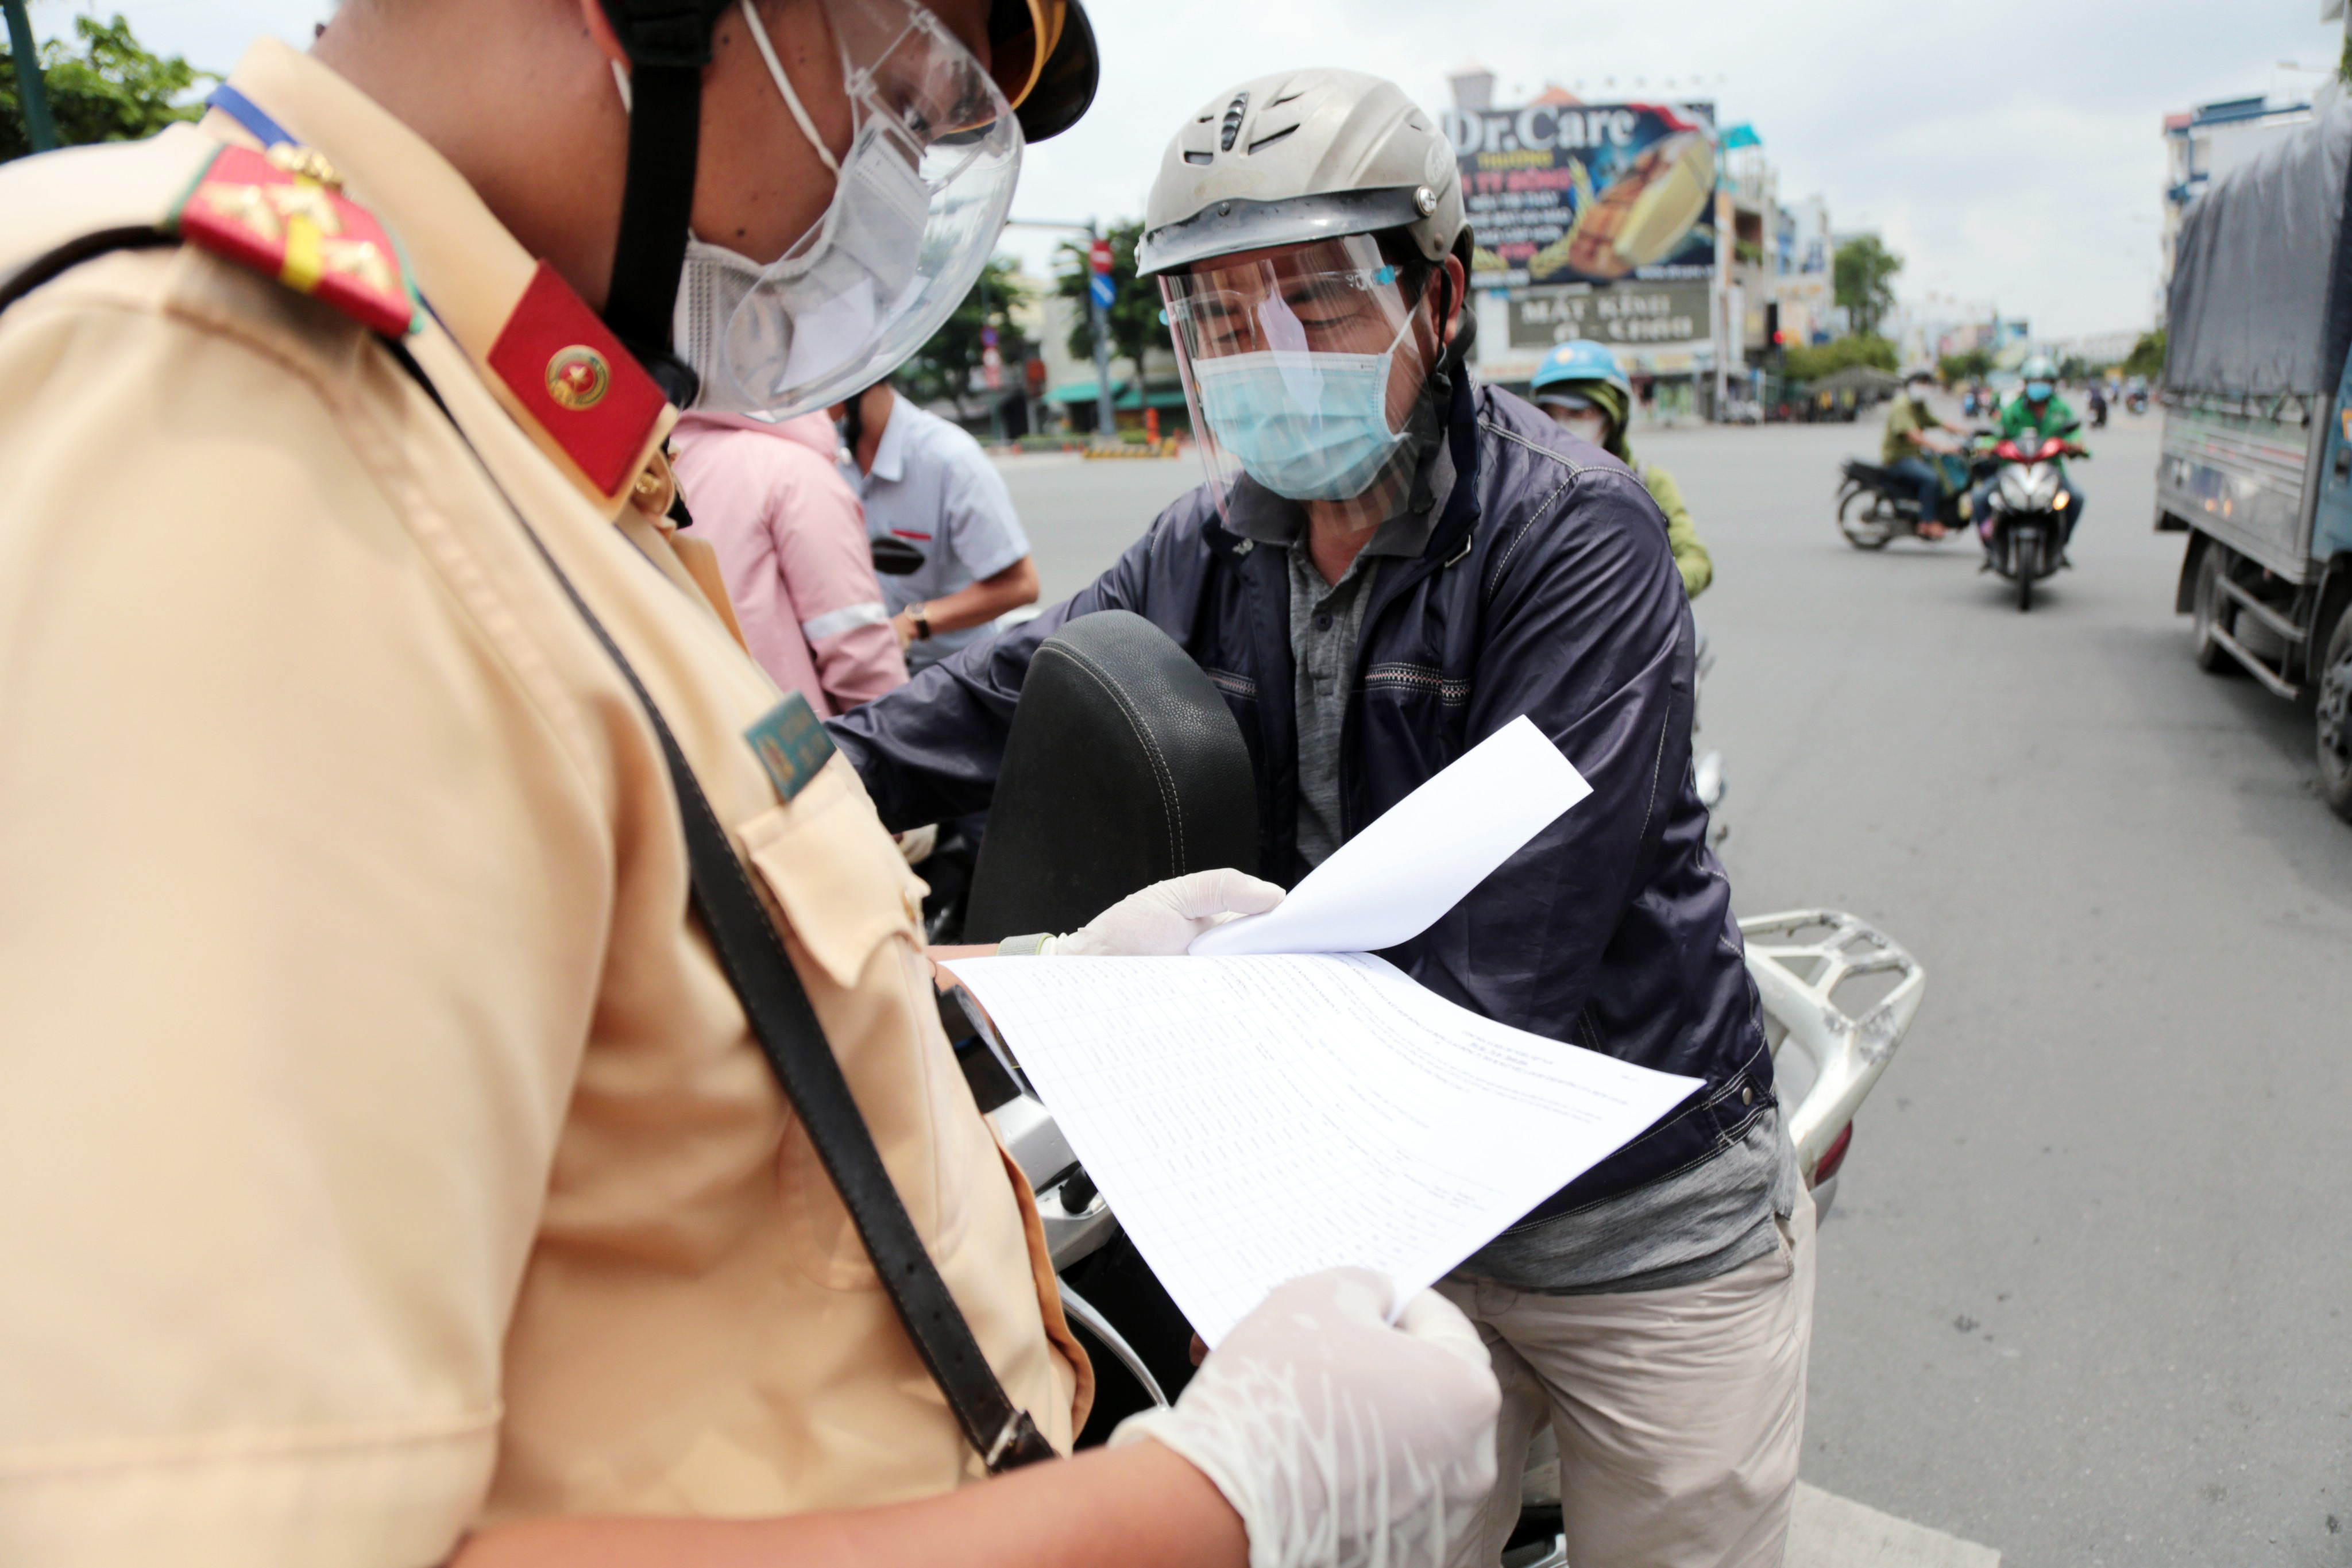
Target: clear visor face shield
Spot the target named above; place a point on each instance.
(1301, 368)
(919, 200)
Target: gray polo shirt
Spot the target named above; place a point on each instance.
(1325, 622)
(933, 487)
(1696, 1223)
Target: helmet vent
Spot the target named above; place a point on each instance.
(1233, 122)
(1270, 140)
(1199, 157)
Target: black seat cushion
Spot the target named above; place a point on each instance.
(1123, 767)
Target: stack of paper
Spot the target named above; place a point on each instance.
(1278, 1104)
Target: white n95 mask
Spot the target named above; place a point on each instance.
(918, 203)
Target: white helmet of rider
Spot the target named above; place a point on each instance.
(1299, 227)
(1299, 156)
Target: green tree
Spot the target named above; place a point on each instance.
(2147, 357)
(1972, 365)
(1863, 273)
(1135, 310)
(1810, 361)
(946, 365)
(103, 87)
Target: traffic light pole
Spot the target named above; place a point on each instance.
(40, 128)
(1106, 413)
(1097, 317)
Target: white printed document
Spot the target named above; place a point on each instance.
(1258, 1118)
(1392, 881)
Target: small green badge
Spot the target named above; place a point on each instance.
(790, 743)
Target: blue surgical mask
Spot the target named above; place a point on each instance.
(2037, 391)
(1305, 425)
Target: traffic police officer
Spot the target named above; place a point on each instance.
(397, 1178)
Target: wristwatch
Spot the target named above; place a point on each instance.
(922, 617)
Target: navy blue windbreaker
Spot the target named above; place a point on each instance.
(1548, 589)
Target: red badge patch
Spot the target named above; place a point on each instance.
(279, 216)
(565, 367)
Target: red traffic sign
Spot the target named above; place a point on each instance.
(1102, 256)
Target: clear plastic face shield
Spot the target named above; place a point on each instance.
(919, 200)
(1301, 367)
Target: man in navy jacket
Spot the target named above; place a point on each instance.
(1375, 588)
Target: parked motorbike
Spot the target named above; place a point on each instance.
(1876, 506)
(2025, 529)
(1124, 766)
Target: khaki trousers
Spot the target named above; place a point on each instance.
(1680, 1412)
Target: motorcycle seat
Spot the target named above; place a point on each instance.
(1123, 767)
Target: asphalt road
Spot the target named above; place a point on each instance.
(2085, 1294)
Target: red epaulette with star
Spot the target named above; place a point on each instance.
(283, 212)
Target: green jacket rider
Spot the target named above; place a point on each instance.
(1581, 386)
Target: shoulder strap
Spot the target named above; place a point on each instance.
(793, 1040)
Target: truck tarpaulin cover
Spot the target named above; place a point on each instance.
(2262, 284)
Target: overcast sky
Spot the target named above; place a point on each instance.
(2010, 150)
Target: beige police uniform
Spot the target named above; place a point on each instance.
(384, 1151)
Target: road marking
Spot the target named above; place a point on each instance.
(1827, 1532)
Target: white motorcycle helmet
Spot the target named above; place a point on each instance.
(1303, 338)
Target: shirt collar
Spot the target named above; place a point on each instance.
(470, 270)
(891, 452)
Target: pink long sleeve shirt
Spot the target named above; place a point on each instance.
(791, 541)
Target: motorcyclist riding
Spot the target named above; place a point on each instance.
(1913, 437)
(2037, 406)
(1580, 385)
(1389, 563)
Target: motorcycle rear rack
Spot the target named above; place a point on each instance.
(1799, 959)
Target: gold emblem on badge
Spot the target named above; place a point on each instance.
(578, 377)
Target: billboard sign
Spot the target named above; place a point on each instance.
(1587, 192)
(1630, 315)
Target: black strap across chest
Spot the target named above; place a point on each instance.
(793, 1040)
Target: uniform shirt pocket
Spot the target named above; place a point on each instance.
(843, 884)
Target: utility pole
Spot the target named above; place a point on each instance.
(1100, 291)
(1724, 333)
(32, 91)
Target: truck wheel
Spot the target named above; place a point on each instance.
(2212, 610)
(2335, 718)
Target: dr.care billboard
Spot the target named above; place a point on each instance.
(1587, 192)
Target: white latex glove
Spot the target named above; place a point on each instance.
(1161, 920)
(916, 844)
(1341, 1442)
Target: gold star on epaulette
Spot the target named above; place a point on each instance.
(244, 205)
(311, 202)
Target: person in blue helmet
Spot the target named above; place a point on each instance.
(1581, 386)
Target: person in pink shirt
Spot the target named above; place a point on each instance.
(791, 541)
